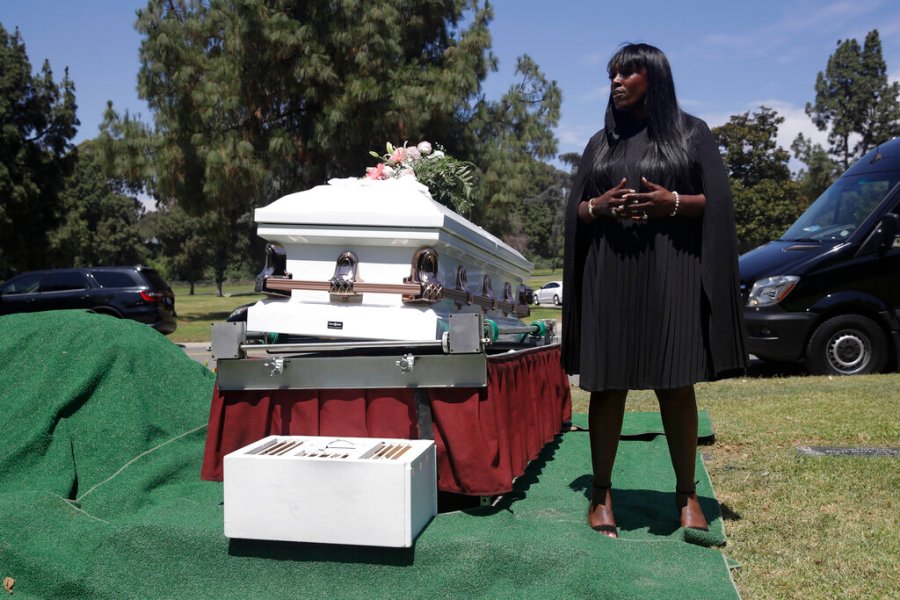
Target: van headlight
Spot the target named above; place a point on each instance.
(771, 290)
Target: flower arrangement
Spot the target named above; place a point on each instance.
(450, 181)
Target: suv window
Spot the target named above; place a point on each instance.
(154, 278)
(114, 279)
(25, 284)
(61, 281)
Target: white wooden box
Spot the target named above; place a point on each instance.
(360, 491)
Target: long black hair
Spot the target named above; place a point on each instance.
(666, 159)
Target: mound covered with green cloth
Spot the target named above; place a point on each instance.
(103, 428)
(83, 394)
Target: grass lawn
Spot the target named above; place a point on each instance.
(196, 313)
(801, 527)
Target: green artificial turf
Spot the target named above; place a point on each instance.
(100, 496)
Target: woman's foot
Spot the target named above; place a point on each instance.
(691, 514)
(600, 511)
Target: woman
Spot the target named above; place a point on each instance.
(650, 276)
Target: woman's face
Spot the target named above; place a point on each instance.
(628, 88)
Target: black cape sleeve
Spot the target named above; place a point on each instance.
(576, 242)
(719, 258)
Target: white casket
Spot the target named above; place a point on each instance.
(360, 491)
(352, 248)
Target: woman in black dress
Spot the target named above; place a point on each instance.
(650, 276)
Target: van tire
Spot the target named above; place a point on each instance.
(846, 345)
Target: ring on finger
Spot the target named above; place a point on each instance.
(644, 216)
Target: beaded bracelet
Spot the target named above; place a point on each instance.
(677, 202)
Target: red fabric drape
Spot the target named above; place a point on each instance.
(485, 437)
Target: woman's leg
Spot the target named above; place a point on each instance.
(678, 408)
(605, 415)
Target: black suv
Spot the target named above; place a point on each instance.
(137, 293)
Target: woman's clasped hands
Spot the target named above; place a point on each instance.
(625, 203)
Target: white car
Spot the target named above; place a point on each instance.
(549, 293)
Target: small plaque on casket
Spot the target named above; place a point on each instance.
(359, 491)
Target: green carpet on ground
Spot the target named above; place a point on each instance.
(103, 431)
(648, 424)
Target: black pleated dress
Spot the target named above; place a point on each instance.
(642, 301)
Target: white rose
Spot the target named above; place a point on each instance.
(424, 148)
(387, 172)
(412, 154)
(437, 154)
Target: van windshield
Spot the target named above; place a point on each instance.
(841, 208)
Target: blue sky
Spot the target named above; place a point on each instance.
(727, 57)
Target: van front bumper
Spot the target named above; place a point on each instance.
(774, 334)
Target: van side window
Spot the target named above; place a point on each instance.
(62, 281)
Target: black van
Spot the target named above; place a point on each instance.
(828, 292)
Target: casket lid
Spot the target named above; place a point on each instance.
(365, 203)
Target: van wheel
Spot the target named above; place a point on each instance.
(846, 345)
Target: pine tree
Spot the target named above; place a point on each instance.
(252, 99)
(99, 223)
(766, 201)
(854, 98)
(750, 149)
(37, 122)
(509, 139)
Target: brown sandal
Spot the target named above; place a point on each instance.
(691, 516)
(608, 527)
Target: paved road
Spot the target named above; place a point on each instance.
(199, 351)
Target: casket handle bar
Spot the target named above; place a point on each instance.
(423, 286)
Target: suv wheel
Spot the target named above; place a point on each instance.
(846, 345)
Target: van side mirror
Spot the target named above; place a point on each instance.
(882, 237)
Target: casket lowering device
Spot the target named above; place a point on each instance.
(372, 284)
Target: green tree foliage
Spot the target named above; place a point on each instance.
(749, 147)
(766, 201)
(37, 122)
(509, 140)
(854, 99)
(764, 211)
(543, 212)
(183, 243)
(99, 223)
(252, 99)
(821, 170)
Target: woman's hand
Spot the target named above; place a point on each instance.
(658, 202)
(608, 204)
